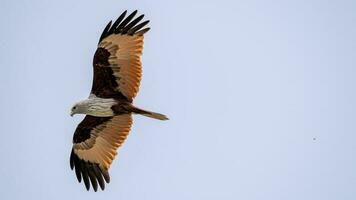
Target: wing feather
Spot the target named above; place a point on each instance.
(117, 61)
(95, 145)
(116, 23)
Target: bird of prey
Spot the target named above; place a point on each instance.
(108, 109)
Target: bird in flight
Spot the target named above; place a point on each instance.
(108, 110)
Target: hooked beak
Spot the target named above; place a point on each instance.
(71, 113)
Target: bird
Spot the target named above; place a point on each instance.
(108, 109)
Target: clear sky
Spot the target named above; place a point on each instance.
(260, 95)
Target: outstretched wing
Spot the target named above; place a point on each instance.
(117, 60)
(95, 143)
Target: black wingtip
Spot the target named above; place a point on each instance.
(92, 177)
(91, 173)
(106, 175)
(137, 27)
(85, 177)
(117, 22)
(143, 31)
(71, 161)
(132, 24)
(99, 176)
(104, 34)
(124, 25)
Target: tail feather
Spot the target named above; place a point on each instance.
(156, 116)
(150, 114)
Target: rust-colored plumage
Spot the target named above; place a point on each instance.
(116, 81)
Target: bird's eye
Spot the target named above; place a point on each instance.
(74, 107)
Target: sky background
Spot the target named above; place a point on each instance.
(260, 95)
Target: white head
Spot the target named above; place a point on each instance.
(81, 107)
(94, 106)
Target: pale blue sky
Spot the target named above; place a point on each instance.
(247, 86)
